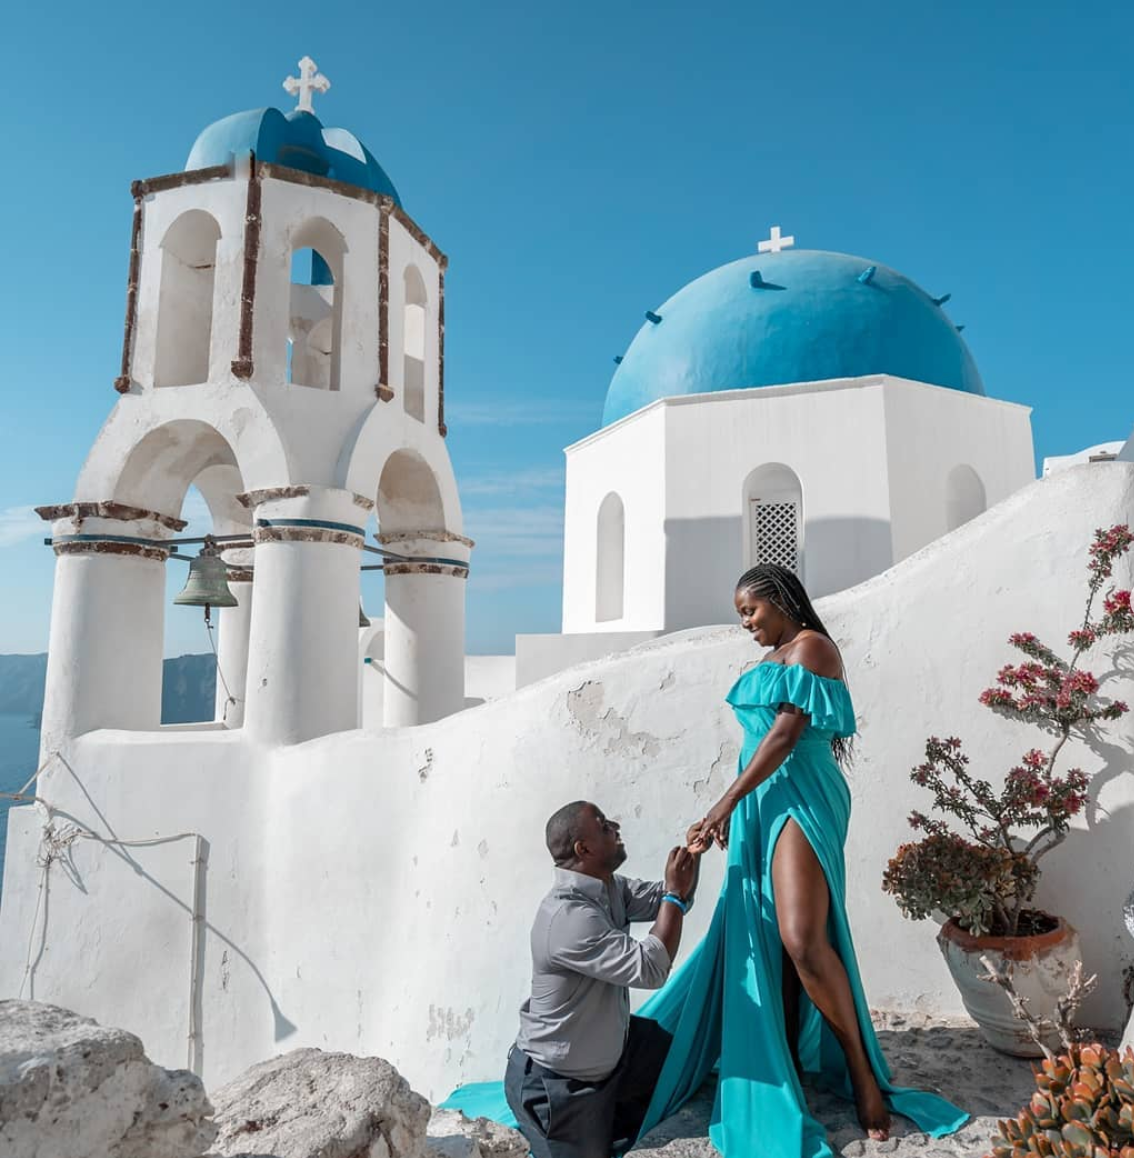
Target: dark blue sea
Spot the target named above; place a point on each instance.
(19, 750)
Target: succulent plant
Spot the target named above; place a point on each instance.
(1083, 1107)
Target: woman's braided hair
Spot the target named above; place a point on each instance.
(785, 592)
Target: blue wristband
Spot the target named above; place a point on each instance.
(674, 899)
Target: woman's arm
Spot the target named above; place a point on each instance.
(821, 657)
(774, 749)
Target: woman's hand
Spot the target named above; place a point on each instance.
(696, 840)
(715, 826)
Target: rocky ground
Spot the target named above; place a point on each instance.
(951, 1059)
(69, 1086)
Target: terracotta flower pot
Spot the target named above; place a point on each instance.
(1041, 969)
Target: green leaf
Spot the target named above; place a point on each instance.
(1078, 1134)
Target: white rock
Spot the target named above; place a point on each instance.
(311, 1104)
(452, 1135)
(69, 1086)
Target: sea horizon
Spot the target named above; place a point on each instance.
(19, 749)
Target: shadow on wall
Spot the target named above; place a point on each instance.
(705, 557)
(841, 553)
(1090, 872)
(702, 564)
(1092, 867)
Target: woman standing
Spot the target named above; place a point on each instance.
(773, 990)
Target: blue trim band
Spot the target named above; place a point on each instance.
(674, 899)
(321, 524)
(131, 539)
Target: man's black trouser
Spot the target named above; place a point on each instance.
(570, 1118)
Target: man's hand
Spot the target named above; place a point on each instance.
(680, 871)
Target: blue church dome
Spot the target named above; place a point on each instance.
(297, 140)
(794, 316)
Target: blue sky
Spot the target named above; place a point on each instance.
(579, 163)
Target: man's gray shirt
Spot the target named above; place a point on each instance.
(584, 961)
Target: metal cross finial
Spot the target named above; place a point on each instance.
(310, 80)
(775, 243)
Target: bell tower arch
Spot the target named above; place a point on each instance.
(286, 400)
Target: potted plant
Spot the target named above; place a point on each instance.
(983, 878)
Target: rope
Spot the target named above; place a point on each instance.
(56, 840)
(230, 699)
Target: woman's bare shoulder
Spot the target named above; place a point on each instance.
(817, 653)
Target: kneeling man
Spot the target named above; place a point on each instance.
(582, 1071)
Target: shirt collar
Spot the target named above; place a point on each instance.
(589, 886)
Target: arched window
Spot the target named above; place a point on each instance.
(185, 300)
(773, 505)
(964, 496)
(315, 324)
(413, 345)
(610, 567)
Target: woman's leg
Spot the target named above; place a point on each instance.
(790, 990)
(802, 905)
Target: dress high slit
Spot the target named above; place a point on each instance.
(724, 1006)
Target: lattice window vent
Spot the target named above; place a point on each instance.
(776, 530)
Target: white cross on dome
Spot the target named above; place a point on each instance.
(775, 243)
(310, 80)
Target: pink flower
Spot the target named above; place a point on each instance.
(1081, 681)
(1117, 602)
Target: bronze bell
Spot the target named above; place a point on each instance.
(207, 585)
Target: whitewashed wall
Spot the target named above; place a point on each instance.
(929, 432)
(633, 466)
(1062, 461)
(373, 891)
(872, 456)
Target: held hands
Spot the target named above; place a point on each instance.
(697, 840)
(714, 828)
(680, 871)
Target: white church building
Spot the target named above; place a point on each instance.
(800, 407)
(354, 866)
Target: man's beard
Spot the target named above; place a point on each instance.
(617, 858)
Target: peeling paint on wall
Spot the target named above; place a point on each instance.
(425, 768)
(585, 706)
(447, 1023)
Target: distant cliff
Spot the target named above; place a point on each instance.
(187, 687)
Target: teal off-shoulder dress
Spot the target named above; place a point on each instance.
(724, 1007)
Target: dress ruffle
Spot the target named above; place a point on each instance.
(826, 701)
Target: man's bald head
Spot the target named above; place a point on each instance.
(566, 826)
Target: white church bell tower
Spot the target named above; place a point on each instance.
(284, 353)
